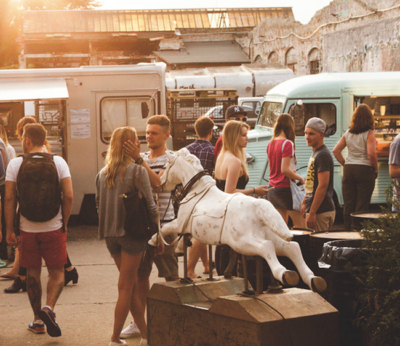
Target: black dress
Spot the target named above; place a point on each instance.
(222, 252)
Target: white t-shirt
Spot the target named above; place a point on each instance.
(31, 226)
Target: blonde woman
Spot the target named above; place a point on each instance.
(232, 176)
(115, 179)
(10, 150)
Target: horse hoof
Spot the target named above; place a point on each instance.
(290, 278)
(318, 284)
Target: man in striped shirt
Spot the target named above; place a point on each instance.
(154, 161)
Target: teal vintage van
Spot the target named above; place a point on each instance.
(332, 97)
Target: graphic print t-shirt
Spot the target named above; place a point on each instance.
(320, 161)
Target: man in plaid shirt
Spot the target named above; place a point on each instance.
(203, 149)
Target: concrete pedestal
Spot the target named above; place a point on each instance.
(214, 313)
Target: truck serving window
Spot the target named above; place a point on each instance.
(269, 113)
(118, 112)
(302, 113)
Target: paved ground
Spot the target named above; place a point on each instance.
(84, 311)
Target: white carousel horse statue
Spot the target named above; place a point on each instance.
(250, 226)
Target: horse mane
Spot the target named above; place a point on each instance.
(192, 159)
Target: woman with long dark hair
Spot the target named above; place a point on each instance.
(282, 168)
(118, 177)
(360, 168)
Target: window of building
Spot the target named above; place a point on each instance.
(302, 113)
(314, 67)
(129, 111)
(314, 59)
(291, 59)
(273, 58)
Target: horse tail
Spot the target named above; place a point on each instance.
(271, 219)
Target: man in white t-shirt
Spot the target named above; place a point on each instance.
(39, 240)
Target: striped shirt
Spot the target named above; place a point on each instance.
(165, 200)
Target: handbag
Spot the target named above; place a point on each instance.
(138, 224)
(298, 192)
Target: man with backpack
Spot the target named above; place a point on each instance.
(41, 184)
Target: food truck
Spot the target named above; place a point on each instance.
(80, 108)
(332, 97)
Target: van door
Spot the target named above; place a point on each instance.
(117, 109)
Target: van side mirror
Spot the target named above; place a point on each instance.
(145, 110)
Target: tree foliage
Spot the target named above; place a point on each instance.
(11, 22)
(378, 302)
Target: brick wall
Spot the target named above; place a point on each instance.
(362, 40)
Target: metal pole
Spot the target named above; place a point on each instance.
(259, 267)
(185, 257)
(210, 266)
(246, 278)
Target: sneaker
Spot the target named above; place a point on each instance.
(131, 331)
(49, 318)
(37, 327)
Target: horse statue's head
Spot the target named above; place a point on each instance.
(181, 167)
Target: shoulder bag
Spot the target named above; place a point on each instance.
(297, 191)
(138, 223)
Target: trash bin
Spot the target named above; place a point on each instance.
(343, 286)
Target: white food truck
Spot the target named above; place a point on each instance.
(80, 107)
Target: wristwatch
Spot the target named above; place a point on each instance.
(139, 161)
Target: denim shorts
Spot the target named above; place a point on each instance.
(130, 246)
(281, 198)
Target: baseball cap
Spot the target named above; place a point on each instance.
(234, 110)
(317, 124)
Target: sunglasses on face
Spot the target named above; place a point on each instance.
(239, 119)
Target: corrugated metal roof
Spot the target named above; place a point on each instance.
(146, 20)
(205, 52)
(33, 90)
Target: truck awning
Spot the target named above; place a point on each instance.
(28, 90)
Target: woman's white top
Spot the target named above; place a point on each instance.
(357, 145)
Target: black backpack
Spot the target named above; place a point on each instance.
(38, 187)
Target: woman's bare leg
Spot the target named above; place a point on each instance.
(128, 266)
(298, 220)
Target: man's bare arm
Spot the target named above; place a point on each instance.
(67, 198)
(320, 192)
(9, 211)
(394, 171)
(133, 150)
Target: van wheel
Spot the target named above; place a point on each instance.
(339, 210)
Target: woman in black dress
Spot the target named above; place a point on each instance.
(232, 176)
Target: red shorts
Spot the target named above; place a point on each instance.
(51, 246)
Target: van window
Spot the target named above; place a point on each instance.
(302, 113)
(270, 111)
(118, 112)
(251, 107)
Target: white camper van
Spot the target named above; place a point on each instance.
(80, 107)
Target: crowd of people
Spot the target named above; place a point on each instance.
(127, 169)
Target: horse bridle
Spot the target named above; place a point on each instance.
(178, 199)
